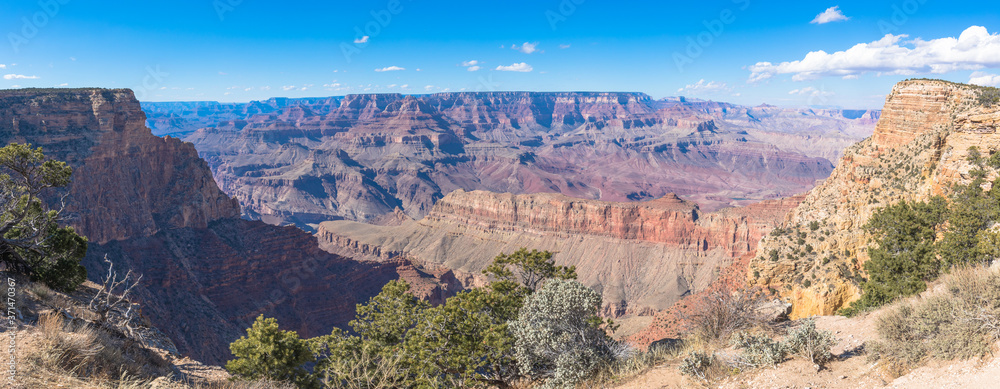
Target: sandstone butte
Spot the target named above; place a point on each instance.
(362, 157)
(642, 256)
(918, 150)
(150, 204)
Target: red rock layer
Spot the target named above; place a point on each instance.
(642, 256)
(150, 205)
(126, 183)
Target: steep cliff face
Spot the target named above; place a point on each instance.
(311, 160)
(150, 205)
(918, 150)
(126, 183)
(642, 256)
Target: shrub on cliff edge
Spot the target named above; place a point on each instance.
(31, 240)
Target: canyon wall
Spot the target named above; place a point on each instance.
(642, 256)
(150, 204)
(918, 150)
(362, 157)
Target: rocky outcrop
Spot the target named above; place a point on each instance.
(361, 157)
(918, 150)
(126, 183)
(642, 256)
(149, 204)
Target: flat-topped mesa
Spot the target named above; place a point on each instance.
(642, 256)
(663, 220)
(101, 133)
(918, 150)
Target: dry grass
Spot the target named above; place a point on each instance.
(632, 366)
(959, 319)
(722, 313)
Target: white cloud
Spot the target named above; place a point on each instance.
(264, 88)
(810, 91)
(362, 40)
(404, 86)
(702, 87)
(850, 77)
(429, 87)
(332, 85)
(831, 14)
(63, 84)
(303, 88)
(390, 86)
(526, 48)
(419, 70)
(974, 49)
(390, 69)
(2, 66)
(984, 79)
(472, 65)
(18, 77)
(223, 74)
(288, 87)
(517, 67)
(564, 46)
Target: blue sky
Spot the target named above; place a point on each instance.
(742, 51)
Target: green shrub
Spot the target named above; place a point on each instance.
(557, 334)
(812, 344)
(696, 364)
(267, 352)
(33, 242)
(757, 350)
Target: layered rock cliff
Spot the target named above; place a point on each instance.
(642, 256)
(126, 182)
(918, 150)
(150, 204)
(361, 157)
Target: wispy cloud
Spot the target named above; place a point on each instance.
(288, 87)
(526, 47)
(974, 49)
(18, 77)
(831, 14)
(564, 46)
(810, 91)
(390, 69)
(517, 67)
(362, 40)
(2, 66)
(428, 87)
(702, 87)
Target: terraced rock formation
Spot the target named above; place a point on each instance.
(642, 256)
(361, 157)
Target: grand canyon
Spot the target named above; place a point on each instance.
(647, 202)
